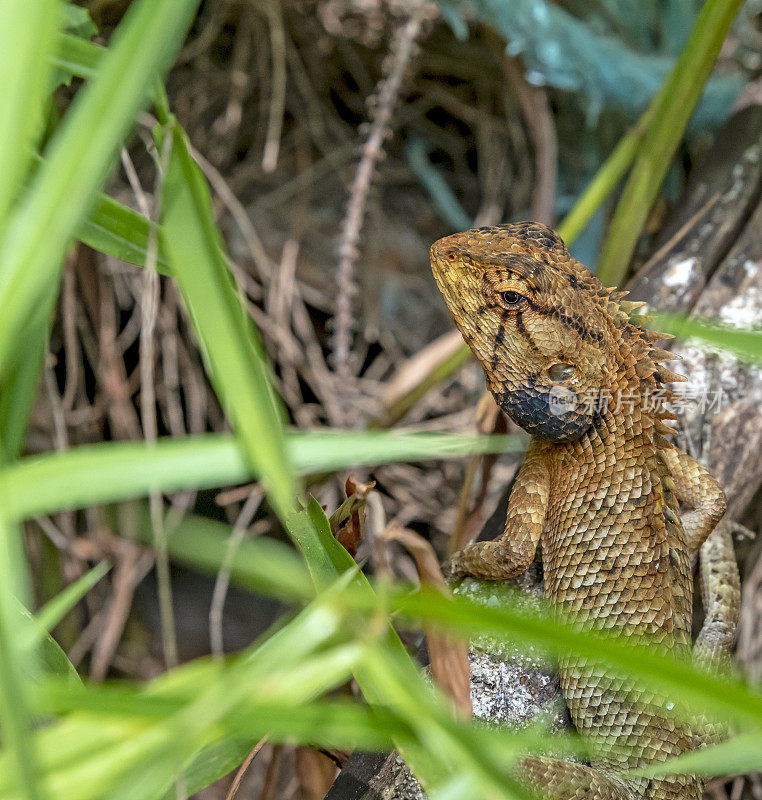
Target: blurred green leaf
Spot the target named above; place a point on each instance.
(59, 606)
(74, 57)
(374, 684)
(27, 39)
(78, 159)
(47, 656)
(36, 234)
(105, 473)
(437, 731)
(213, 762)
(737, 755)
(261, 564)
(280, 670)
(19, 388)
(506, 619)
(744, 343)
(118, 231)
(33, 635)
(229, 342)
(511, 621)
(14, 663)
(575, 55)
(76, 20)
(265, 690)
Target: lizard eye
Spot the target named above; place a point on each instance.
(511, 298)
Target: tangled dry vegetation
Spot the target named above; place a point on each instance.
(280, 103)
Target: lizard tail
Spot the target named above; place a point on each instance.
(553, 779)
(721, 596)
(721, 599)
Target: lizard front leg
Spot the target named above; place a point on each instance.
(720, 582)
(513, 552)
(695, 487)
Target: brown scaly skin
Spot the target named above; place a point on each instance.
(599, 490)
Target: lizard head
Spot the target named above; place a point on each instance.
(545, 330)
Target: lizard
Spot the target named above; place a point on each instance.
(573, 363)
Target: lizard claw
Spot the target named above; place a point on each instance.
(452, 569)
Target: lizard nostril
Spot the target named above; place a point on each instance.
(561, 372)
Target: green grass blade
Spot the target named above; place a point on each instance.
(34, 630)
(606, 178)
(745, 343)
(105, 473)
(76, 57)
(675, 105)
(77, 20)
(331, 450)
(213, 762)
(27, 40)
(48, 658)
(19, 389)
(118, 231)
(282, 669)
(438, 733)
(430, 769)
(58, 607)
(234, 356)
(111, 228)
(228, 339)
(509, 620)
(14, 707)
(79, 157)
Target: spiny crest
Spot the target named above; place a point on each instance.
(649, 358)
(626, 319)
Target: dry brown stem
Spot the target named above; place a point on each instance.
(400, 53)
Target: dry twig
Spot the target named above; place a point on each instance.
(400, 54)
(222, 583)
(236, 785)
